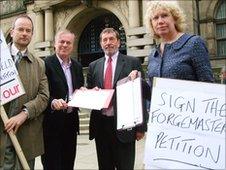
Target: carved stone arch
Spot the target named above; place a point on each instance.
(72, 14)
(123, 19)
(216, 7)
(210, 12)
(117, 12)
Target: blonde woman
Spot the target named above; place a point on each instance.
(178, 55)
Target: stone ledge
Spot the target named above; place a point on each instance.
(139, 52)
(139, 42)
(43, 44)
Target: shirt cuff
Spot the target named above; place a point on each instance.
(26, 111)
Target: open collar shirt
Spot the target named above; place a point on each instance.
(67, 72)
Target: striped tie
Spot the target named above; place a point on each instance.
(18, 58)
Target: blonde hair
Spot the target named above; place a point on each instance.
(171, 7)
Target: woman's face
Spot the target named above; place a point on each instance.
(163, 23)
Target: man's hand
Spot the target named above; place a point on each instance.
(83, 88)
(96, 88)
(139, 135)
(133, 74)
(15, 122)
(58, 104)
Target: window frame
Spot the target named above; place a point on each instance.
(219, 21)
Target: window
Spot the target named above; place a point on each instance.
(220, 19)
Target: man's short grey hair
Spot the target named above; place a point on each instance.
(63, 31)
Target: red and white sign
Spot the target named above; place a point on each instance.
(10, 83)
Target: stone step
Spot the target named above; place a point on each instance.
(84, 126)
(84, 120)
(84, 132)
(83, 115)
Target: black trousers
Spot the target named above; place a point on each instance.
(60, 150)
(112, 153)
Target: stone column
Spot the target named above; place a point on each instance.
(144, 7)
(48, 25)
(210, 38)
(39, 27)
(134, 18)
(49, 30)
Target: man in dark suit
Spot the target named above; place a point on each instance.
(61, 123)
(115, 149)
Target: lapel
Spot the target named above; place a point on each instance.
(59, 70)
(73, 72)
(100, 71)
(119, 66)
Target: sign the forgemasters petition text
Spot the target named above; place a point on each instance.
(186, 125)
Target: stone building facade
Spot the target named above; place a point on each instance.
(86, 18)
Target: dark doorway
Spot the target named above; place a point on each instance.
(89, 48)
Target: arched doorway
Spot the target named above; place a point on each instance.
(88, 47)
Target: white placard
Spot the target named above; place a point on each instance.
(10, 84)
(187, 126)
(129, 104)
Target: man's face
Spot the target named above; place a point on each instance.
(64, 44)
(109, 43)
(22, 33)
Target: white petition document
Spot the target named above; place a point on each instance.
(129, 104)
(91, 99)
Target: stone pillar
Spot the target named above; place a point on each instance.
(210, 37)
(39, 27)
(48, 25)
(144, 9)
(134, 18)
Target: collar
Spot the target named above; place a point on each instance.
(62, 62)
(14, 50)
(114, 57)
(181, 41)
(178, 44)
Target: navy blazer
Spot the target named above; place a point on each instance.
(125, 64)
(54, 120)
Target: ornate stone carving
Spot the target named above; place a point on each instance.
(60, 17)
(122, 6)
(11, 6)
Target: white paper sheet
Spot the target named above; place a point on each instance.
(129, 104)
(91, 99)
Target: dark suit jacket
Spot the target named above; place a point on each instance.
(54, 120)
(125, 64)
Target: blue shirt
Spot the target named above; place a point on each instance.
(187, 59)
